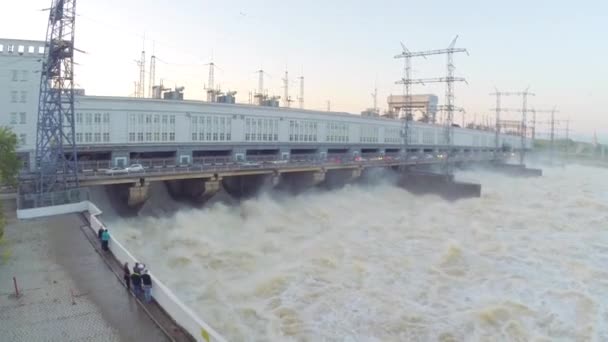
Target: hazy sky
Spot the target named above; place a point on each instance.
(343, 48)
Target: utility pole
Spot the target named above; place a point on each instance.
(56, 158)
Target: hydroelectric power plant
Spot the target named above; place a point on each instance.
(271, 222)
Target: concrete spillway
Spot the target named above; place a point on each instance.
(372, 262)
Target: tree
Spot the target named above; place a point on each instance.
(9, 162)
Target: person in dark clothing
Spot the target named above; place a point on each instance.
(136, 280)
(146, 281)
(105, 239)
(99, 232)
(136, 267)
(127, 275)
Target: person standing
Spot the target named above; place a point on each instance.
(99, 232)
(136, 280)
(146, 281)
(105, 239)
(127, 275)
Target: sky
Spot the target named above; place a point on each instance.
(346, 48)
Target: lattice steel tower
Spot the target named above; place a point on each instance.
(56, 158)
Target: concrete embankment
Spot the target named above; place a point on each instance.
(66, 291)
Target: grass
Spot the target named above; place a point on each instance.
(5, 250)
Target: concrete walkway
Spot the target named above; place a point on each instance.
(68, 293)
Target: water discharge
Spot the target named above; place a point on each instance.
(527, 261)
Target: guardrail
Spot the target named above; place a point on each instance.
(277, 165)
(180, 313)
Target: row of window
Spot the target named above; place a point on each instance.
(18, 118)
(15, 75)
(151, 137)
(92, 137)
(261, 129)
(303, 130)
(17, 96)
(428, 136)
(392, 135)
(337, 132)
(210, 128)
(151, 128)
(150, 119)
(21, 48)
(92, 118)
(368, 134)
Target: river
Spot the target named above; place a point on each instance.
(526, 261)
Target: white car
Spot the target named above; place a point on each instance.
(116, 171)
(135, 168)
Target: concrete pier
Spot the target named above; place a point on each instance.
(196, 191)
(296, 182)
(518, 170)
(442, 185)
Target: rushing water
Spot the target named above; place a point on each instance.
(527, 261)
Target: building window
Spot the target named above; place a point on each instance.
(23, 97)
(156, 136)
(88, 119)
(78, 137)
(97, 137)
(106, 118)
(14, 95)
(21, 49)
(22, 139)
(88, 137)
(172, 119)
(79, 118)
(30, 49)
(10, 48)
(131, 136)
(148, 136)
(13, 118)
(140, 136)
(15, 75)
(22, 118)
(41, 49)
(171, 136)
(164, 136)
(97, 118)
(1, 48)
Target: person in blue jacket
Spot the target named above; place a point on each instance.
(105, 239)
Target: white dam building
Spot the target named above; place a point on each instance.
(123, 128)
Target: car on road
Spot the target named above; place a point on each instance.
(116, 171)
(135, 168)
(249, 164)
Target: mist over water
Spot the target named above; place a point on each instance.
(527, 261)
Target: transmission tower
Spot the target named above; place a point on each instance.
(55, 146)
(301, 98)
(141, 84)
(524, 119)
(286, 99)
(375, 99)
(152, 80)
(449, 93)
(212, 92)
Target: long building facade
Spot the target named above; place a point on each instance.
(120, 129)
